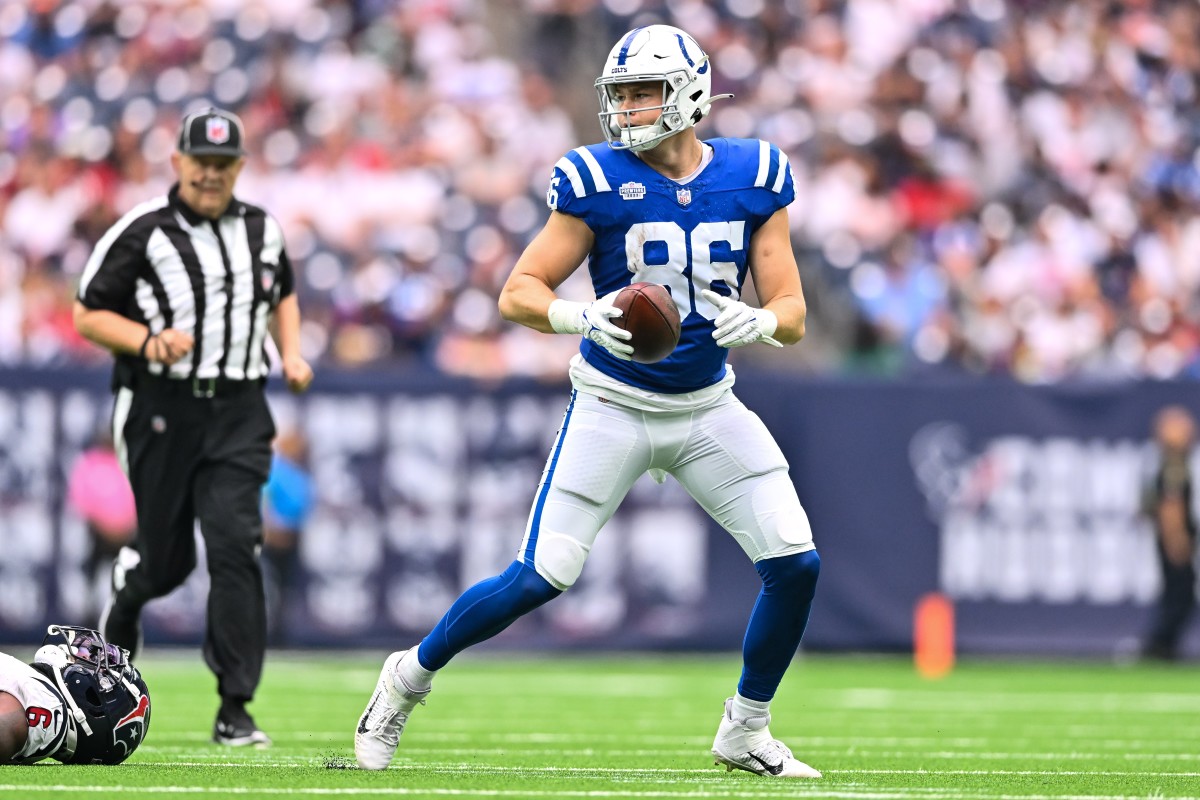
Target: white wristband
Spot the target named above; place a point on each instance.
(566, 316)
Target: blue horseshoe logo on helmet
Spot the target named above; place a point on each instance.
(692, 64)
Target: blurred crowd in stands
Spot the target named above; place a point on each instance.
(983, 186)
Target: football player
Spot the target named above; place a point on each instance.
(79, 702)
(654, 203)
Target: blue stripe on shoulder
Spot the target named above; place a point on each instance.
(585, 172)
(773, 169)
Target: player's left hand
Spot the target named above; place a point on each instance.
(297, 373)
(738, 324)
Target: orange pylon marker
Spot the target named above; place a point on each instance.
(933, 636)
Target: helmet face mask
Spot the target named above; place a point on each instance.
(654, 54)
(85, 646)
(109, 704)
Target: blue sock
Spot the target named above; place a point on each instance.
(777, 622)
(484, 610)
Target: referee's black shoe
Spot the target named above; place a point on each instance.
(121, 628)
(236, 728)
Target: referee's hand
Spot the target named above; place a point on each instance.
(297, 373)
(168, 346)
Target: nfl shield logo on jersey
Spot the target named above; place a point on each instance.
(216, 130)
(684, 196)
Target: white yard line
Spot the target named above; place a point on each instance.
(794, 789)
(857, 752)
(311, 763)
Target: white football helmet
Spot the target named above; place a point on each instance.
(656, 53)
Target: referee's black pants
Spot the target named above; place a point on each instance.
(199, 451)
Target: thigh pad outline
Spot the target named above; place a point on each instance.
(781, 518)
(744, 438)
(593, 456)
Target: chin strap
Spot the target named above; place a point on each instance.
(77, 716)
(133, 689)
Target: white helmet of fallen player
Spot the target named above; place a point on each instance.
(655, 53)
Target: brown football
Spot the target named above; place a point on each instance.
(649, 313)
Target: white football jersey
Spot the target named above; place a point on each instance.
(44, 709)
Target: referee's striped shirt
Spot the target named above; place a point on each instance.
(166, 266)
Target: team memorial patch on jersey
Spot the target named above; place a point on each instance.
(632, 191)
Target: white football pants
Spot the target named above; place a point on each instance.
(721, 454)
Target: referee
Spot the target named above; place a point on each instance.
(182, 290)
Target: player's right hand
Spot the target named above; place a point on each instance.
(598, 316)
(593, 320)
(168, 346)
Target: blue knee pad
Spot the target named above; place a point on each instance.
(792, 574)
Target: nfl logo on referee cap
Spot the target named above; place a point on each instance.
(216, 130)
(211, 132)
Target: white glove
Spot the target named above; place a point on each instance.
(592, 320)
(738, 324)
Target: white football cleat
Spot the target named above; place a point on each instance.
(747, 744)
(379, 728)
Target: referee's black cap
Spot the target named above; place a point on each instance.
(211, 132)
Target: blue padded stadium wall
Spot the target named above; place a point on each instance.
(1021, 503)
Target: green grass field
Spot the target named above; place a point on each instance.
(640, 727)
